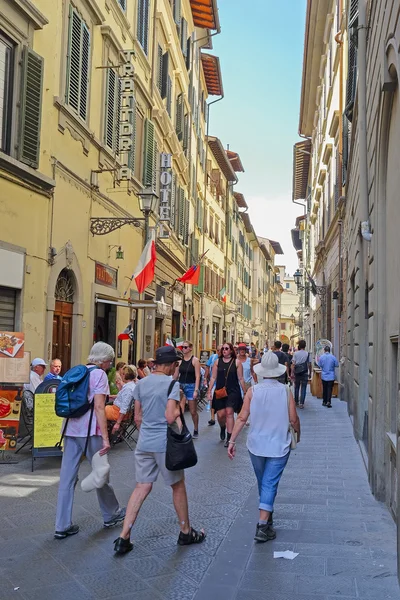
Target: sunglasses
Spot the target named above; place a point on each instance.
(185, 347)
(225, 348)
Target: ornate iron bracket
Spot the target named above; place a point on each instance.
(104, 225)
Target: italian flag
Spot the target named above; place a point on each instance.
(144, 272)
(223, 294)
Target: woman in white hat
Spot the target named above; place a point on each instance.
(271, 406)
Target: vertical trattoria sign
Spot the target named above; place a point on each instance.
(127, 116)
(165, 187)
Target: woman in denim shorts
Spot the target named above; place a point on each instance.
(189, 379)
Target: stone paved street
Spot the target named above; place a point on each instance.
(345, 539)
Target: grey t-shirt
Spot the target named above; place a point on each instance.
(152, 393)
(300, 357)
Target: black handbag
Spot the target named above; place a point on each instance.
(180, 452)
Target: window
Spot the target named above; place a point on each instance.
(288, 286)
(77, 92)
(283, 326)
(8, 304)
(113, 105)
(6, 96)
(122, 4)
(149, 153)
(211, 232)
(179, 117)
(143, 24)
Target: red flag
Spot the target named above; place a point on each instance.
(192, 276)
(144, 272)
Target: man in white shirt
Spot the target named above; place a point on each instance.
(38, 367)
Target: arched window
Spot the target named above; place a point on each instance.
(65, 287)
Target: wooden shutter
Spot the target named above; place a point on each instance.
(111, 134)
(196, 244)
(143, 24)
(184, 29)
(352, 59)
(186, 222)
(345, 156)
(31, 108)
(181, 216)
(188, 52)
(148, 158)
(186, 132)
(160, 67)
(165, 77)
(77, 89)
(122, 4)
(169, 95)
(8, 305)
(156, 162)
(179, 116)
(173, 200)
(132, 120)
(177, 12)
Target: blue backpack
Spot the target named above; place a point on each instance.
(72, 393)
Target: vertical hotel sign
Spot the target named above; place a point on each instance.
(165, 187)
(126, 116)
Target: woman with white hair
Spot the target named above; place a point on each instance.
(90, 428)
(271, 406)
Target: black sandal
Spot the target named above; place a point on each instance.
(193, 537)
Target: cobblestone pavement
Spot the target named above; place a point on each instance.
(345, 539)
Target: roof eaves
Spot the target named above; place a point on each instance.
(220, 155)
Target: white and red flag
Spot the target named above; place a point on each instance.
(144, 272)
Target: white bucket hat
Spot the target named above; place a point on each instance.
(269, 366)
(100, 474)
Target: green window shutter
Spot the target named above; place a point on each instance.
(156, 162)
(183, 36)
(179, 116)
(345, 155)
(160, 67)
(77, 89)
(186, 222)
(200, 288)
(143, 24)
(181, 215)
(176, 10)
(186, 132)
(169, 95)
(31, 108)
(188, 53)
(111, 133)
(132, 120)
(173, 201)
(148, 161)
(165, 77)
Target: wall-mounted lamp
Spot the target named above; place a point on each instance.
(119, 255)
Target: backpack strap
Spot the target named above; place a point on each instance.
(58, 444)
(89, 427)
(171, 386)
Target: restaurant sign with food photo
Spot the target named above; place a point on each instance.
(10, 409)
(11, 344)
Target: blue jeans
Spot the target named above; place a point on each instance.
(268, 471)
(300, 385)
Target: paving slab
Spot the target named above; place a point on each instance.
(346, 540)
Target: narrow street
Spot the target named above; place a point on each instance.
(345, 540)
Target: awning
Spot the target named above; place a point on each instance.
(205, 14)
(235, 161)
(301, 167)
(125, 303)
(212, 74)
(240, 201)
(222, 158)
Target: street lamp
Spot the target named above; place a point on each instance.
(147, 203)
(316, 290)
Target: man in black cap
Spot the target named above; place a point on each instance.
(155, 408)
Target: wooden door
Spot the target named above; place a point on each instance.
(62, 334)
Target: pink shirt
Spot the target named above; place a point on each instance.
(98, 384)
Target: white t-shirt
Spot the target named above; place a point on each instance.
(34, 381)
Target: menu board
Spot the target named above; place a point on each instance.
(11, 344)
(10, 410)
(15, 370)
(46, 424)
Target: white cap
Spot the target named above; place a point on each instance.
(38, 361)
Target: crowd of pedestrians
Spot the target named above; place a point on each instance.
(255, 385)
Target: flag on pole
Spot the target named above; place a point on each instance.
(144, 272)
(192, 276)
(169, 342)
(223, 294)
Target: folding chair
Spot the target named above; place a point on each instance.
(126, 430)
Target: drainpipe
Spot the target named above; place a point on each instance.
(362, 118)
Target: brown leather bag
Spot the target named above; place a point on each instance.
(223, 392)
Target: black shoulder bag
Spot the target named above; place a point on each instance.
(180, 453)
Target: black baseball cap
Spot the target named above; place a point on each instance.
(167, 354)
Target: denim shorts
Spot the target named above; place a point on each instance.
(188, 390)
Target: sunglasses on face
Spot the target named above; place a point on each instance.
(185, 347)
(225, 348)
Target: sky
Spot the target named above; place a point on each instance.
(260, 48)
